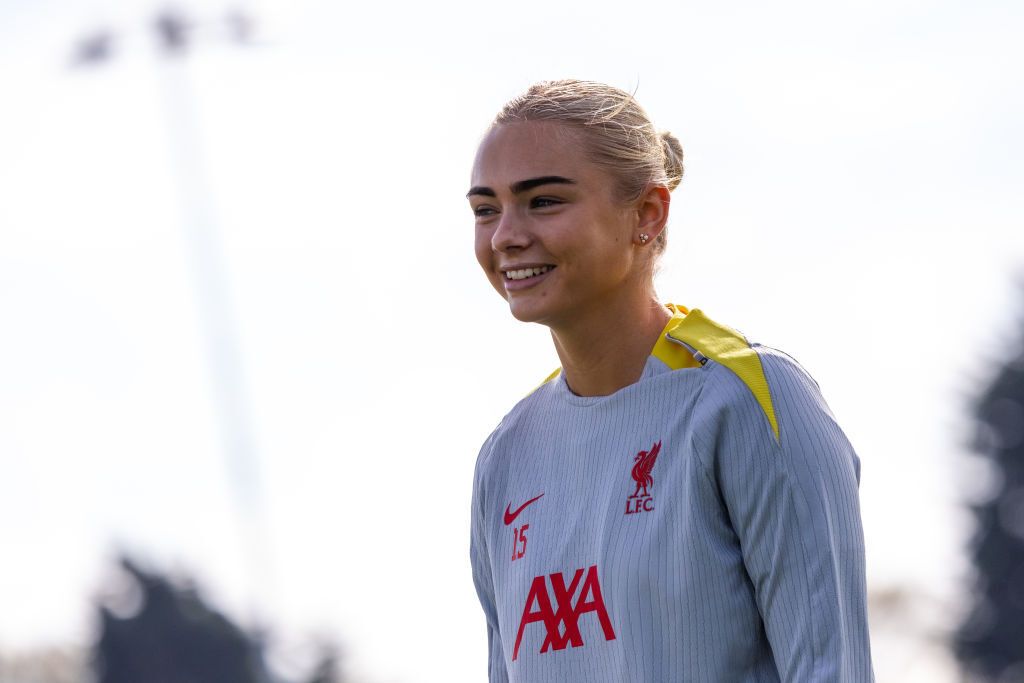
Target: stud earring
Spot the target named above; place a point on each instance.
(644, 237)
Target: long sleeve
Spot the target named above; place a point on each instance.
(481, 566)
(793, 504)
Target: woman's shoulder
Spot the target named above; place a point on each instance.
(520, 416)
(742, 374)
(770, 405)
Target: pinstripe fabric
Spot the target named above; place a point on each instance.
(749, 566)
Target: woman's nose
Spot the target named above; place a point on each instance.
(511, 233)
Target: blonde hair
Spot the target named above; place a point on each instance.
(617, 133)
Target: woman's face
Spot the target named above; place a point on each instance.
(549, 234)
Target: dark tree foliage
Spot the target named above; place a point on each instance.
(990, 642)
(174, 638)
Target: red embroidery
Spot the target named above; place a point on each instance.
(519, 542)
(518, 533)
(567, 613)
(511, 516)
(641, 473)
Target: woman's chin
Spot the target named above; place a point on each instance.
(527, 311)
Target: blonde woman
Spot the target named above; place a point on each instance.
(675, 503)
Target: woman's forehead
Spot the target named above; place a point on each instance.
(511, 152)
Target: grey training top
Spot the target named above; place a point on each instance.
(701, 524)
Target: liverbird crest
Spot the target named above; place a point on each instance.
(641, 472)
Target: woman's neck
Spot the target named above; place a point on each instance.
(607, 350)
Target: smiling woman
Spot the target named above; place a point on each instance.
(568, 225)
(676, 503)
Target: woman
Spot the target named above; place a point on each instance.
(675, 503)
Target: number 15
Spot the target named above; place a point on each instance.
(519, 541)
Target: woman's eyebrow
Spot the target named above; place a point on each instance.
(523, 185)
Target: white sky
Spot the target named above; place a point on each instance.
(852, 197)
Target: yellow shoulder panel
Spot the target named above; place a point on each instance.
(728, 347)
(674, 355)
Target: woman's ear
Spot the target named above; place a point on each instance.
(652, 214)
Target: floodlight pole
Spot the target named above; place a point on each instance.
(174, 40)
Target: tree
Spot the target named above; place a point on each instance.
(174, 638)
(990, 642)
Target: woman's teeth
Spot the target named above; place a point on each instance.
(524, 273)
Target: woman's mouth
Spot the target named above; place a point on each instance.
(522, 278)
(526, 273)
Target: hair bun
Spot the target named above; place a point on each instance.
(673, 150)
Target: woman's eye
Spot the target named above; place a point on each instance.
(542, 202)
(482, 211)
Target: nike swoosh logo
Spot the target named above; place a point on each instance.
(511, 516)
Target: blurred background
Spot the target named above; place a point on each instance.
(247, 360)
